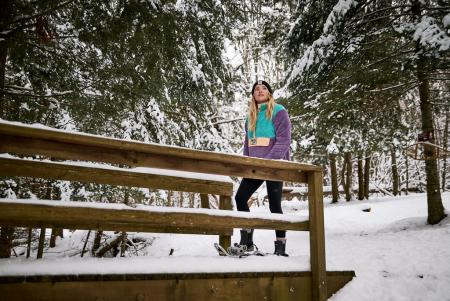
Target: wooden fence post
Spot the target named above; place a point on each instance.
(317, 236)
(225, 204)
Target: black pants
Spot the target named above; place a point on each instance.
(274, 191)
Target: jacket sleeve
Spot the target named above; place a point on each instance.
(246, 140)
(282, 136)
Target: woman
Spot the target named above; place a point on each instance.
(268, 136)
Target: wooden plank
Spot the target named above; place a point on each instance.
(192, 286)
(49, 134)
(71, 151)
(317, 236)
(39, 214)
(71, 172)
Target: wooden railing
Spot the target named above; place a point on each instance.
(20, 139)
(101, 174)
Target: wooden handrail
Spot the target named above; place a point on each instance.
(27, 140)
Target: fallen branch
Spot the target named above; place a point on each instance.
(383, 190)
(108, 246)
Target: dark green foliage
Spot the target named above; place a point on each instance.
(144, 70)
(352, 80)
(113, 58)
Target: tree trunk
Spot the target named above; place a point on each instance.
(5, 16)
(334, 181)
(204, 200)
(394, 172)
(348, 177)
(169, 198)
(6, 237)
(366, 176)
(344, 164)
(97, 241)
(41, 244)
(123, 244)
(30, 233)
(434, 201)
(85, 243)
(360, 177)
(55, 233)
(53, 238)
(444, 145)
(180, 203)
(191, 199)
(407, 174)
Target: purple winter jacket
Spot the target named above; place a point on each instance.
(278, 130)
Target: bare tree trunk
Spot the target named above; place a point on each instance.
(191, 199)
(85, 243)
(434, 201)
(445, 145)
(169, 198)
(53, 238)
(407, 175)
(6, 237)
(344, 166)
(360, 177)
(334, 181)
(41, 244)
(204, 200)
(30, 233)
(123, 244)
(5, 17)
(366, 176)
(348, 177)
(394, 172)
(97, 241)
(55, 233)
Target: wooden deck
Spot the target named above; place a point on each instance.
(21, 139)
(249, 286)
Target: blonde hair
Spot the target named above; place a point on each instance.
(253, 112)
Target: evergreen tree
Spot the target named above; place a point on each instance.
(353, 77)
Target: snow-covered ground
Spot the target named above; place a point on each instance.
(395, 255)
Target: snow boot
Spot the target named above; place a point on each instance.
(280, 248)
(247, 239)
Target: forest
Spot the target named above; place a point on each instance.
(363, 82)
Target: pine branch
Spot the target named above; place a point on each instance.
(435, 78)
(392, 55)
(440, 8)
(386, 8)
(45, 12)
(228, 121)
(392, 87)
(403, 92)
(36, 95)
